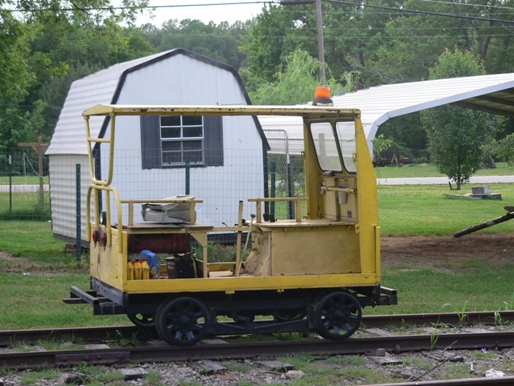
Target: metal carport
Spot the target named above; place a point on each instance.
(490, 93)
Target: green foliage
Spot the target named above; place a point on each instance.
(42, 45)
(295, 85)
(461, 312)
(502, 148)
(380, 144)
(408, 134)
(457, 136)
(268, 43)
(16, 79)
(39, 376)
(217, 41)
(85, 12)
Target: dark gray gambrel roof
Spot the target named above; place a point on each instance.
(490, 93)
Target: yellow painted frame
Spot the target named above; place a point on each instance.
(367, 228)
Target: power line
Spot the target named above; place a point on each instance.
(423, 12)
(479, 18)
(470, 4)
(152, 6)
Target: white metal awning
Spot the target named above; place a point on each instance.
(490, 93)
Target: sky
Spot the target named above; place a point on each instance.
(204, 10)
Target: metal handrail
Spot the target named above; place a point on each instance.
(297, 200)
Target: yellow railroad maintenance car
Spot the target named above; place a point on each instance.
(314, 272)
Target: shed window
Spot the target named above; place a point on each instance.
(181, 140)
(171, 141)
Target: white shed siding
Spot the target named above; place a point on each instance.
(190, 82)
(221, 187)
(63, 194)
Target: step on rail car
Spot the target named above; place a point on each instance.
(311, 273)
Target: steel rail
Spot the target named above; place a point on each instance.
(449, 318)
(258, 350)
(87, 334)
(455, 382)
(95, 334)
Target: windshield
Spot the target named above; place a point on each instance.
(326, 145)
(346, 134)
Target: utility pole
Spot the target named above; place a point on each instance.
(39, 147)
(321, 46)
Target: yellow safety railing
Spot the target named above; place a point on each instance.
(297, 200)
(108, 190)
(91, 141)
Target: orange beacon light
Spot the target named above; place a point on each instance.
(322, 96)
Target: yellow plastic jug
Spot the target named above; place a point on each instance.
(130, 270)
(145, 270)
(137, 270)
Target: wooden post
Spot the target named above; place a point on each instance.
(39, 147)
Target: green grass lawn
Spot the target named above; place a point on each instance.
(472, 285)
(427, 170)
(435, 210)
(33, 299)
(33, 239)
(22, 180)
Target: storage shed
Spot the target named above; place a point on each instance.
(226, 158)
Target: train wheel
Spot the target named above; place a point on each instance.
(338, 315)
(142, 320)
(182, 321)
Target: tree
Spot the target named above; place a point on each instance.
(457, 137)
(47, 42)
(295, 84)
(217, 41)
(16, 77)
(265, 45)
(502, 148)
(59, 60)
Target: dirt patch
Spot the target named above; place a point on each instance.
(6, 257)
(10, 263)
(422, 251)
(436, 250)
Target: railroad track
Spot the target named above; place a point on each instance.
(456, 382)
(258, 350)
(95, 334)
(440, 340)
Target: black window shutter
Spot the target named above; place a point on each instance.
(150, 142)
(213, 140)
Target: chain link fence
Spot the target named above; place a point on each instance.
(24, 185)
(25, 180)
(286, 176)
